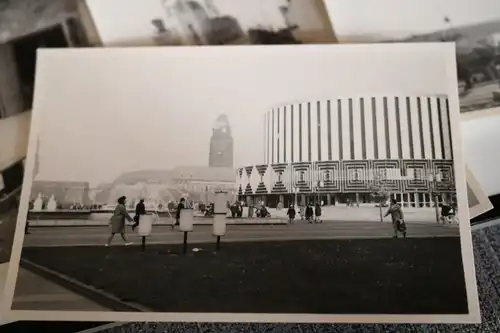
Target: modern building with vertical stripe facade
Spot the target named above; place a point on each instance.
(345, 148)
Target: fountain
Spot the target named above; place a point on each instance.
(38, 204)
(52, 204)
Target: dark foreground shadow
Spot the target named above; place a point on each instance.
(402, 276)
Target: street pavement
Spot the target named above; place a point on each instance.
(36, 293)
(299, 230)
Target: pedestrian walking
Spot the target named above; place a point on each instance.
(180, 206)
(250, 211)
(291, 214)
(397, 216)
(317, 212)
(117, 221)
(140, 209)
(309, 213)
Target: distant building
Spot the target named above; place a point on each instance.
(64, 192)
(347, 149)
(221, 144)
(195, 182)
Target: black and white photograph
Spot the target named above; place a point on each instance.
(213, 200)
(210, 22)
(474, 25)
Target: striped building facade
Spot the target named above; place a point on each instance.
(332, 150)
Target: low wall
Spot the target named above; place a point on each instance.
(59, 215)
(161, 222)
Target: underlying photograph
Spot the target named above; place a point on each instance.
(209, 22)
(224, 196)
(474, 25)
(26, 28)
(479, 203)
(481, 130)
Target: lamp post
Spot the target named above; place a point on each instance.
(319, 185)
(296, 192)
(432, 177)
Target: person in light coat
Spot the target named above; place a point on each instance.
(117, 221)
(397, 216)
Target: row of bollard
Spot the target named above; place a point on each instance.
(186, 223)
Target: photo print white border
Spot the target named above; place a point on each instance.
(484, 203)
(445, 51)
(484, 159)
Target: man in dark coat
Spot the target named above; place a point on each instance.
(291, 214)
(180, 207)
(317, 212)
(309, 213)
(140, 209)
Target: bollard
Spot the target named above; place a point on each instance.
(144, 228)
(186, 225)
(185, 243)
(219, 226)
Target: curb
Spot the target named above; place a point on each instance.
(95, 295)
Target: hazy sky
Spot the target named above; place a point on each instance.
(107, 111)
(399, 18)
(119, 20)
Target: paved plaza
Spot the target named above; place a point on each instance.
(300, 276)
(340, 213)
(86, 243)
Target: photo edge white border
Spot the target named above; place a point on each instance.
(484, 204)
(461, 187)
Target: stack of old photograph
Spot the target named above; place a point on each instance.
(267, 184)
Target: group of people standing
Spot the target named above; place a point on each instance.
(308, 212)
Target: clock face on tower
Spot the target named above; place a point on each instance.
(221, 144)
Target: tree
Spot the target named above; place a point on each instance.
(379, 191)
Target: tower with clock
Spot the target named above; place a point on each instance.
(221, 144)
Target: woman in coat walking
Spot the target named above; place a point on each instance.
(117, 221)
(398, 219)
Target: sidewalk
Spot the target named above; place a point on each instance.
(366, 213)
